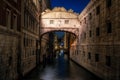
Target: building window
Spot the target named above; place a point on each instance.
(109, 27)
(108, 3)
(51, 21)
(84, 35)
(15, 1)
(90, 33)
(66, 21)
(108, 60)
(33, 52)
(97, 10)
(97, 31)
(18, 23)
(8, 18)
(89, 55)
(25, 19)
(85, 20)
(90, 16)
(96, 57)
(83, 53)
(14, 22)
(24, 41)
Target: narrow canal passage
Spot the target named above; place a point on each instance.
(61, 70)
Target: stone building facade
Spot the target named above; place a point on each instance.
(30, 34)
(99, 43)
(10, 28)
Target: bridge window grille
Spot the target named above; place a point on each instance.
(66, 21)
(51, 21)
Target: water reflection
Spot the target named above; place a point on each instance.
(62, 70)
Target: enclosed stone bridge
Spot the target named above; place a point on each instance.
(59, 19)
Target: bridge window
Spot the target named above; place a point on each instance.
(51, 21)
(66, 21)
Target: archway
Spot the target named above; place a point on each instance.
(59, 19)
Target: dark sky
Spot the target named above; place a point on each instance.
(76, 5)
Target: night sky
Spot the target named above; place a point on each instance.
(76, 5)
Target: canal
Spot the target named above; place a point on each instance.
(61, 70)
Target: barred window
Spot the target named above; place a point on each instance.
(51, 21)
(66, 21)
(97, 10)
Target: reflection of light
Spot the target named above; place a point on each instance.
(61, 52)
(56, 47)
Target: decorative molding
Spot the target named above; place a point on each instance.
(59, 9)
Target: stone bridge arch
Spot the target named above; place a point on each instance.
(59, 19)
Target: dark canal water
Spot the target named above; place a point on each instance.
(61, 70)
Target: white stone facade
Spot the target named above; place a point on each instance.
(59, 19)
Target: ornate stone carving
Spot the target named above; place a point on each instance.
(59, 9)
